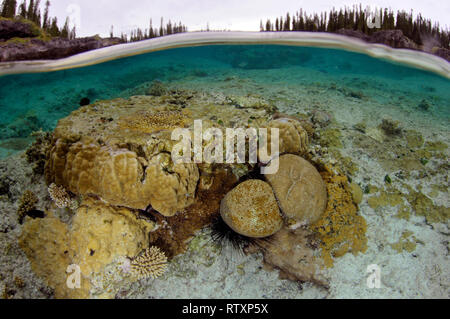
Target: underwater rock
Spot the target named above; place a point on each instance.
(391, 127)
(293, 253)
(85, 101)
(299, 189)
(157, 88)
(251, 209)
(424, 105)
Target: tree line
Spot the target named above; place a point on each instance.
(417, 29)
(32, 12)
(152, 32)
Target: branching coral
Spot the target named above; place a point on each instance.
(37, 151)
(59, 196)
(27, 203)
(151, 262)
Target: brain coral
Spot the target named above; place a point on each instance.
(299, 188)
(250, 209)
(118, 176)
(293, 137)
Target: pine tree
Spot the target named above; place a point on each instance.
(8, 9)
(30, 10)
(46, 20)
(23, 10)
(54, 30)
(65, 30)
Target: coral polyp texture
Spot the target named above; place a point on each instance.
(151, 262)
(299, 189)
(251, 209)
(59, 195)
(293, 138)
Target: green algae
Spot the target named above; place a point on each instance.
(407, 242)
(331, 138)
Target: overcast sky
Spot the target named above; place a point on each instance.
(97, 16)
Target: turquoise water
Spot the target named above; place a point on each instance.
(29, 102)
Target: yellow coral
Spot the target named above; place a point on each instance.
(149, 122)
(99, 233)
(119, 177)
(340, 228)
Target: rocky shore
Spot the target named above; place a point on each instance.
(20, 41)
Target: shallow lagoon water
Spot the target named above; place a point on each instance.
(351, 87)
(33, 101)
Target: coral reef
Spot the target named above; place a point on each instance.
(299, 189)
(36, 153)
(45, 242)
(157, 88)
(59, 196)
(173, 233)
(330, 137)
(120, 150)
(27, 203)
(251, 209)
(340, 228)
(98, 234)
